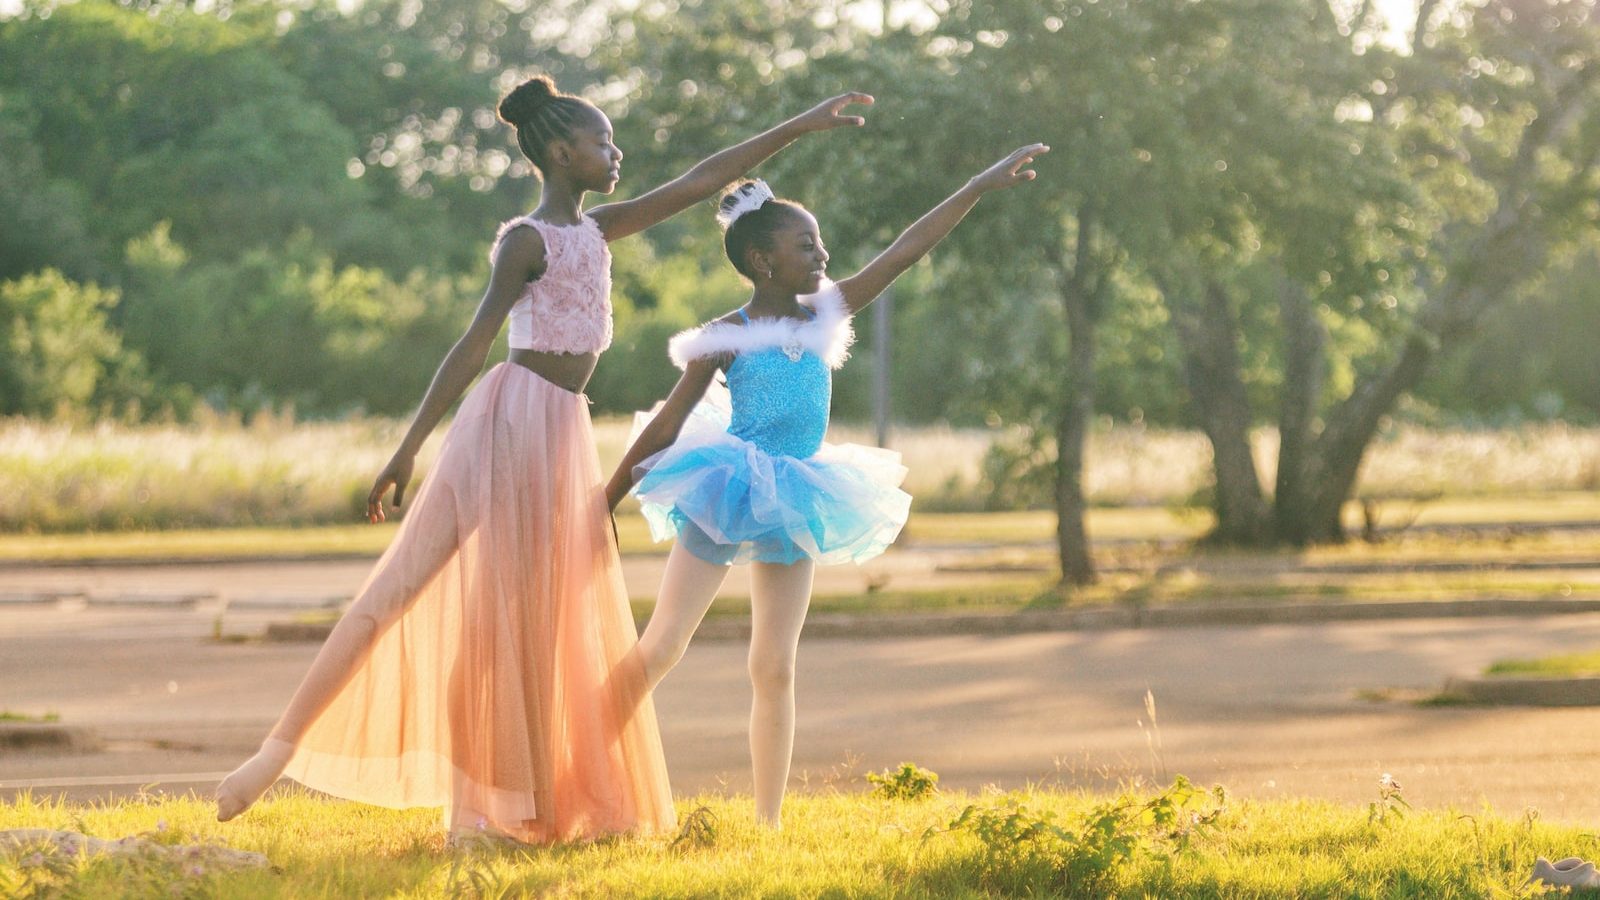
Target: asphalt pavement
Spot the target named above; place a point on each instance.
(1267, 710)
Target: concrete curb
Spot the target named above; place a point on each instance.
(49, 736)
(884, 625)
(269, 602)
(150, 601)
(1524, 691)
(1203, 564)
(1445, 528)
(36, 598)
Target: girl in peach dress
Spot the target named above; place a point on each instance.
(486, 665)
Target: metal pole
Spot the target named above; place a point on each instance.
(880, 376)
(880, 318)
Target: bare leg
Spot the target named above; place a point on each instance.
(687, 588)
(400, 579)
(779, 598)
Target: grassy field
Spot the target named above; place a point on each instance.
(1519, 514)
(1172, 843)
(1565, 665)
(276, 472)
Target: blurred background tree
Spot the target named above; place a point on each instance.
(1259, 214)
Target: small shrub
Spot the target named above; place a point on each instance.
(909, 782)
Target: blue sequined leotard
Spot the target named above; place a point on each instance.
(750, 477)
(780, 404)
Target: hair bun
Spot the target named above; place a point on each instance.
(527, 98)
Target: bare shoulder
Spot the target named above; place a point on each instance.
(605, 216)
(520, 248)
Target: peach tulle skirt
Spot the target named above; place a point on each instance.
(501, 682)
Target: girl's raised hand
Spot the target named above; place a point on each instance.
(1009, 171)
(825, 115)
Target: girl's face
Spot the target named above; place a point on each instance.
(797, 260)
(592, 159)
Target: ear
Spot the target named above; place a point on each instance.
(758, 260)
(559, 152)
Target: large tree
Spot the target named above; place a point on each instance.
(1494, 116)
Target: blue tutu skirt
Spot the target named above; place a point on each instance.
(729, 501)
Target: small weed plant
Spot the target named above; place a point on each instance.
(1389, 805)
(909, 782)
(698, 831)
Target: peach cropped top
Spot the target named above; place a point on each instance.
(568, 308)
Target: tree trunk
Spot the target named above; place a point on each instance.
(1207, 329)
(1336, 455)
(1081, 300)
(1305, 342)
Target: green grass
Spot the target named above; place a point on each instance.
(999, 597)
(1559, 666)
(1033, 843)
(1026, 592)
(364, 539)
(1150, 524)
(7, 715)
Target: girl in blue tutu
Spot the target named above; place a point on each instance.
(741, 473)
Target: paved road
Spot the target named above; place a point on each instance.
(1269, 711)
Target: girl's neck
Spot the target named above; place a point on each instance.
(774, 302)
(559, 203)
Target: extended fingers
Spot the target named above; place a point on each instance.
(1027, 154)
(1023, 157)
(843, 100)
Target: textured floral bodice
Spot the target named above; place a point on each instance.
(780, 382)
(568, 308)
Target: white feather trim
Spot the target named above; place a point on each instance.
(829, 335)
(749, 197)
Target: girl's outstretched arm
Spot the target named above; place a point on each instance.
(618, 220)
(518, 260)
(664, 428)
(915, 242)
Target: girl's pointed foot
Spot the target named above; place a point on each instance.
(245, 785)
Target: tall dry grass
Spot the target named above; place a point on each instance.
(273, 471)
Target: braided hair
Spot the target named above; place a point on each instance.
(541, 114)
(748, 221)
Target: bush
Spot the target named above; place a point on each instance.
(58, 354)
(909, 782)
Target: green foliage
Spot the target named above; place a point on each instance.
(58, 354)
(909, 782)
(1019, 471)
(332, 178)
(45, 216)
(285, 326)
(1532, 361)
(1089, 858)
